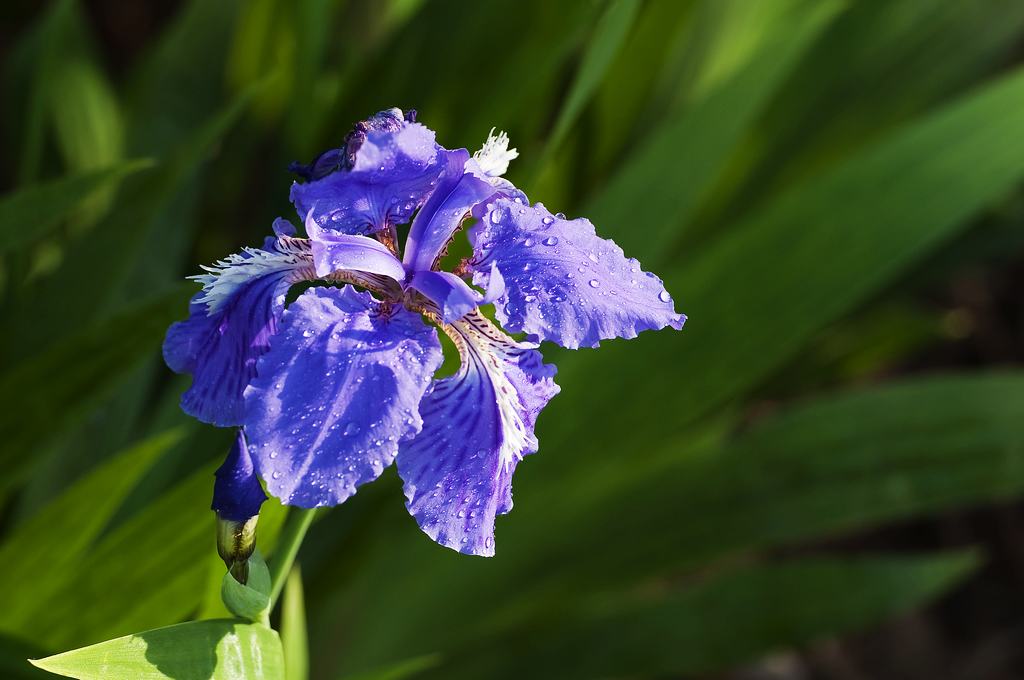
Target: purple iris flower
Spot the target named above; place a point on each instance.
(334, 387)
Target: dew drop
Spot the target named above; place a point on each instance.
(351, 429)
(551, 240)
(594, 283)
(528, 243)
(547, 219)
(530, 298)
(664, 296)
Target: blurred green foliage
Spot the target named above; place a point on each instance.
(796, 170)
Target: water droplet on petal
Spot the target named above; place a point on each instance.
(551, 240)
(594, 283)
(351, 429)
(528, 243)
(664, 296)
(547, 219)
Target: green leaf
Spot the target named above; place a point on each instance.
(660, 184)
(40, 554)
(867, 75)
(715, 623)
(251, 600)
(42, 49)
(32, 212)
(173, 91)
(609, 34)
(293, 628)
(211, 650)
(528, 70)
(408, 668)
(292, 533)
(834, 241)
(44, 396)
(86, 114)
(102, 290)
(832, 466)
(272, 518)
(265, 41)
(148, 571)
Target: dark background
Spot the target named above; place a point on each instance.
(819, 478)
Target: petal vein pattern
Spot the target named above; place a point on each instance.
(336, 393)
(563, 283)
(478, 425)
(224, 277)
(230, 324)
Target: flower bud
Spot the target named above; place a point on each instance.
(237, 497)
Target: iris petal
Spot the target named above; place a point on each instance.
(478, 425)
(457, 193)
(333, 252)
(392, 174)
(237, 494)
(336, 393)
(230, 325)
(453, 296)
(563, 283)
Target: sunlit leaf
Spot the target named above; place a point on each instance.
(212, 650)
(251, 600)
(150, 570)
(43, 552)
(660, 183)
(293, 628)
(609, 34)
(870, 72)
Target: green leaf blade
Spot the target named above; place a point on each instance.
(214, 650)
(50, 393)
(39, 554)
(293, 628)
(34, 211)
(718, 622)
(609, 34)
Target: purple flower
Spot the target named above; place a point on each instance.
(336, 386)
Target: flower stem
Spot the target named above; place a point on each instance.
(298, 522)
